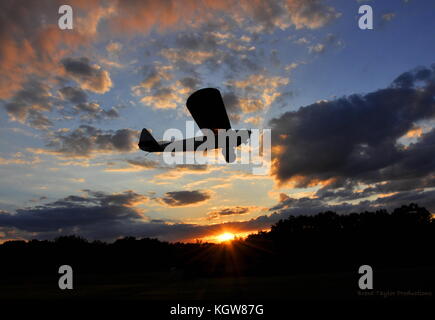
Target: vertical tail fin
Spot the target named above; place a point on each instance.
(147, 142)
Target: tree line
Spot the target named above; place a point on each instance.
(325, 242)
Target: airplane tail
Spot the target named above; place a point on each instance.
(147, 142)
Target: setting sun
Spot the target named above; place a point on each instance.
(227, 236)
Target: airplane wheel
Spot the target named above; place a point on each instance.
(229, 154)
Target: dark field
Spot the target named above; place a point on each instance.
(305, 257)
(403, 284)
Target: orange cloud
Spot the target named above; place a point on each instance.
(32, 43)
(141, 16)
(414, 133)
(259, 91)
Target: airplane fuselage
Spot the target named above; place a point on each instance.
(192, 144)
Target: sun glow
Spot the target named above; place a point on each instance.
(227, 236)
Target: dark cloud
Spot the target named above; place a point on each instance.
(104, 216)
(98, 215)
(215, 49)
(92, 111)
(145, 163)
(151, 164)
(90, 77)
(89, 111)
(229, 211)
(184, 198)
(191, 83)
(85, 140)
(73, 94)
(356, 137)
(197, 41)
(73, 212)
(232, 105)
(80, 67)
(307, 206)
(310, 206)
(29, 104)
(408, 79)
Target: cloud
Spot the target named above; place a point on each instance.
(144, 163)
(75, 211)
(255, 93)
(114, 47)
(330, 41)
(388, 16)
(317, 48)
(19, 159)
(191, 83)
(302, 40)
(256, 121)
(90, 77)
(92, 111)
(158, 89)
(311, 14)
(224, 52)
(184, 198)
(189, 56)
(29, 104)
(139, 16)
(89, 111)
(232, 106)
(108, 216)
(229, 211)
(31, 43)
(210, 49)
(415, 132)
(73, 94)
(134, 165)
(310, 206)
(172, 173)
(103, 216)
(86, 140)
(34, 102)
(355, 137)
(213, 50)
(163, 98)
(291, 66)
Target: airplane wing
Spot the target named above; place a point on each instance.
(208, 110)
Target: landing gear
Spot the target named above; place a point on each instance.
(229, 153)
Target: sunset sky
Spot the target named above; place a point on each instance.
(351, 112)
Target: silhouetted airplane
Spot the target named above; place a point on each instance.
(208, 110)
